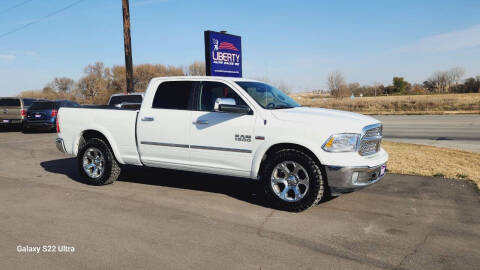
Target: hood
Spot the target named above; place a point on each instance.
(342, 121)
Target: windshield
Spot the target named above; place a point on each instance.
(268, 96)
(127, 99)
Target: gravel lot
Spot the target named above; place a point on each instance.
(160, 219)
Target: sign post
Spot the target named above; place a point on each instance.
(223, 54)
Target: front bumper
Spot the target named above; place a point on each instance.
(60, 145)
(348, 179)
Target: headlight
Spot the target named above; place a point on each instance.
(344, 142)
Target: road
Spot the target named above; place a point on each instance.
(161, 219)
(452, 131)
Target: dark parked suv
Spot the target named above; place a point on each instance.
(43, 114)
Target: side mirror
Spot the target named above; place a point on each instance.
(229, 105)
(223, 101)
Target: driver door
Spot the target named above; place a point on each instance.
(221, 141)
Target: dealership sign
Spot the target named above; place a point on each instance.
(223, 54)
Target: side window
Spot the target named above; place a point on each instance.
(173, 95)
(210, 91)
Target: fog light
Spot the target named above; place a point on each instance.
(354, 177)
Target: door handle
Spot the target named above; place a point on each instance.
(147, 119)
(201, 122)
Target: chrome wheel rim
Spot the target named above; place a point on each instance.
(289, 181)
(93, 162)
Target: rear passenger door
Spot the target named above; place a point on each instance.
(163, 126)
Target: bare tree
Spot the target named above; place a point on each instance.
(95, 82)
(336, 84)
(91, 86)
(376, 86)
(441, 81)
(142, 74)
(63, 84)
(456, 74)
(197, 68)
(98, 69)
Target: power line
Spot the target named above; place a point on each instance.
(41, 19)
(14, 7)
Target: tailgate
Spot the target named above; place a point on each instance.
(10, 109)
(39, 115)
(11, 113)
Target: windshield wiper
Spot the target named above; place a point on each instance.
(283, 107)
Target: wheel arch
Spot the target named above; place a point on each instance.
(260, 160)
(108, 139)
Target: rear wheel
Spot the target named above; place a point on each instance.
(292, 180)
(96, 162)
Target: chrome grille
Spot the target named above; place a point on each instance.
(374, 132)
(371, 138)
(369, 147)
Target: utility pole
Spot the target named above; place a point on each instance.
(128, 46)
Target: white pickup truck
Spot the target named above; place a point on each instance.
(229, 126)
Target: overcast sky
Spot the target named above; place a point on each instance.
(298, 42)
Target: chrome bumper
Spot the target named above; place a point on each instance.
(60, 145)
(347, 179)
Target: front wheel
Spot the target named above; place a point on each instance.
(96, 163)
(292, 180)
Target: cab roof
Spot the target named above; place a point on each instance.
(205, 78)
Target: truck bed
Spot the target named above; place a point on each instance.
(117, 124)
(108, 107)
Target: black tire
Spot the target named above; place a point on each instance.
(111, 170)
(316, 189)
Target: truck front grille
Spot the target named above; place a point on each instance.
(371, 139)
(374, 132)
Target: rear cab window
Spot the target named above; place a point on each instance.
(9, 102)
(174, 95)
(115, 100)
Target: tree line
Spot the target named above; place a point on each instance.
(448, 81)
(99, 82)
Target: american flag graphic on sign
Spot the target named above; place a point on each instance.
(227, 46)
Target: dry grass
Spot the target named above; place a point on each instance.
(414, 104)
(432, 161)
